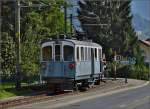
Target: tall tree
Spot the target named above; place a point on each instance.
(7, 37)
(114, 29)
(37, 23)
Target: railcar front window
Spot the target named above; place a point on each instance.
(57, 53)
(47, 53)
(68, 53)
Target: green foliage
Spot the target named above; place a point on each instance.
(42, 23)
(39, 25)
(139, 72)
(13, 92)
(36, 24)
(7, 53)
(115, 33)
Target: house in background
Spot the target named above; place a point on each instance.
(145, 47)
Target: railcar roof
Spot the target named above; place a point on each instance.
(76, 42)
(85, 43)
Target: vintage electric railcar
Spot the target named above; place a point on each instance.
(69, 61)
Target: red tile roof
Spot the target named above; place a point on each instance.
(148, 39)
(145, 42)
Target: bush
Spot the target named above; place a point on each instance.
(133, 71)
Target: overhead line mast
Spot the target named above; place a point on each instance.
(17, 34)
(18, 6)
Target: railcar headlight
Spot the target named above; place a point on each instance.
(71, 66)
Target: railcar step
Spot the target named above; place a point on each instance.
(91, 81)
(68, 90)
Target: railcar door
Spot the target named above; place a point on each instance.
(57, 65)
(57, 53)
(68, 61)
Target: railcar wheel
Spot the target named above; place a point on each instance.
(76, 87)
(84, 86)
(97, 82)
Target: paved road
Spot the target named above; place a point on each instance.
(133, 99)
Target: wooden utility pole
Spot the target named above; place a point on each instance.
(0, 46)
(17, 33)
(115, 67)
(149, 67)
(149, 71)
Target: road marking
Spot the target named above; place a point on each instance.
(135, 103)
(138, 102)
(123, 105)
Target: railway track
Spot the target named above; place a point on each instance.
(41, 96)
(22, 101)
(44, 95)
(32, 99)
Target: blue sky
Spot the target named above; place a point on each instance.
(141, 7)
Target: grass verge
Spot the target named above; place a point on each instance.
(8, 90)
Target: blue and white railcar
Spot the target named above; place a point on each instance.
(70, 60)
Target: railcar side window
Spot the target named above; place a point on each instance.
(68, 53)
(57, 53)
(89, 53)
(100, 54)
(47, 53)
(86, 54)
(78, 55)
(95, 53)
(82, 54)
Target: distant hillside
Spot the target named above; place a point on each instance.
(142, 26)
